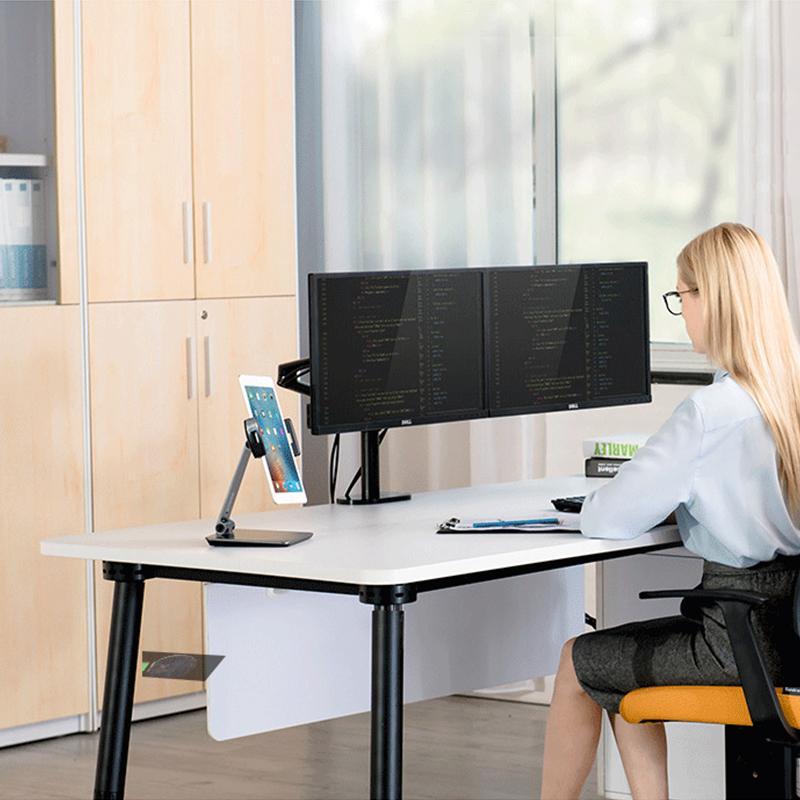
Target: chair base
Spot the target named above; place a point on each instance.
(756, 769)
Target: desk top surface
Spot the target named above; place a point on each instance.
(391, 543)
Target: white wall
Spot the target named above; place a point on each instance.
(467, 453)
(566, 430)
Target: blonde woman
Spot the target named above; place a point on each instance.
(727, 463)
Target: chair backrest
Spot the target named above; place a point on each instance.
(796, 609)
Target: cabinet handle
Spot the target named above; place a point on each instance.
(207, 358)
(207, 241)
(190, 359)
(188, 234)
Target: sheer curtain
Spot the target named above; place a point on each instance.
(426, 160)
(770, 131)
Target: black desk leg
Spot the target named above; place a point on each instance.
(386, 767)
(123, 647)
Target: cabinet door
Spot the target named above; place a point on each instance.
(43, 656)
(244, 336)
(242, 100)
(137, 128)
(145, 458)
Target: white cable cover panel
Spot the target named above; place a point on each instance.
(297, 657)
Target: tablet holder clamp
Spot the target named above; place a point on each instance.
(225, 532)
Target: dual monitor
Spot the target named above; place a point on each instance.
(390, 349)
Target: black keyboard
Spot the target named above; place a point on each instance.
(569, 503)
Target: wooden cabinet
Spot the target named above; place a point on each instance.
(44, 654)
(188, 176)
(175, 93)
(243, 336)
(243, 147)
(189, 192)
(144, 458)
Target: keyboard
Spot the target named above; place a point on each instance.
(569, 503)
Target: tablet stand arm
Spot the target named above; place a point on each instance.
(253, 447)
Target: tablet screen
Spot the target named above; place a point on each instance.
(280, 462)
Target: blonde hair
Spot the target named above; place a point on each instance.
(748, 332)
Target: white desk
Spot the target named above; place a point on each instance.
(384, 554)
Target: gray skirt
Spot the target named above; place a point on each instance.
(692, 649)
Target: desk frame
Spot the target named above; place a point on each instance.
(387, 601)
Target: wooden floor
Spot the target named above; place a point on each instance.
(456, 747)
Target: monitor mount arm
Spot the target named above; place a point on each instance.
(289, 374)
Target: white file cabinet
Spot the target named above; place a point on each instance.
(696, 752)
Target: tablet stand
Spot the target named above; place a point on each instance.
(225, 528)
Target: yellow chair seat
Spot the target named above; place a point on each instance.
(723, 705)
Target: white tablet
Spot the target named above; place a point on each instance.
(279, 461)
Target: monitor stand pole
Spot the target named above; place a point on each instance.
(371, 476)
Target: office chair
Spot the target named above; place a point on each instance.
(762, 739)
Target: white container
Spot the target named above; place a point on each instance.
(23, 248)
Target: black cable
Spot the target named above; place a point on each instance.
(333, 470)
(357, 476)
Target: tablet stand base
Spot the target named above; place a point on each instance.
(226, 534)
(257, 538)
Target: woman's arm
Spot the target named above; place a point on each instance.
(649, 487)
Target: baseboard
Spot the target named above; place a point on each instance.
(169, 705)
(538, 691)
(49, 729)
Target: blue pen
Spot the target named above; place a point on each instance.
(508, 523)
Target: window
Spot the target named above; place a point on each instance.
(647, 145)
(484, 133)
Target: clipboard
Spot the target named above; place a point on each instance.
(539, 522)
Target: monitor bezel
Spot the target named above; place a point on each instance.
(543, 408)
(395, 422)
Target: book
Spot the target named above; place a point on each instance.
(23, 249)
(603, 467)
(622, 446)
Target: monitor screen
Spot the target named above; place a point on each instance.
(396, 348)
(566, 336)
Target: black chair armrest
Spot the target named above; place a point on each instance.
(711, 596)
(762, 702)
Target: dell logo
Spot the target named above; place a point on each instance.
(405, 421)
(572, 405)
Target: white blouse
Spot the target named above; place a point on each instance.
(714, 463)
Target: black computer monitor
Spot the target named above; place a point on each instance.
(566, 337)
(390, 349)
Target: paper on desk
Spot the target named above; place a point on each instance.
(565, 522)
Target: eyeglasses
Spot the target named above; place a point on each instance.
(674, 302)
